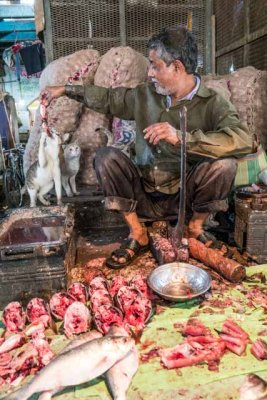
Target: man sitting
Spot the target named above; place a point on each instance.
(148, 185)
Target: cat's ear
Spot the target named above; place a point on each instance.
(66, 137)
(63, 146)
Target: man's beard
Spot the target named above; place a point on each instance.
(161, 90)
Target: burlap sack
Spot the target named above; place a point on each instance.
(59, 71)
(90, 140)
(218, 84)
(248, 88)
(63, 114)
(121, 66)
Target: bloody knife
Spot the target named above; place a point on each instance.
(178, 231)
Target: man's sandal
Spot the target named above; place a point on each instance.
(122, 252)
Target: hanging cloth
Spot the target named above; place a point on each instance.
(33, 58)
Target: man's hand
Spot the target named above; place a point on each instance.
(50, 93)
(161, 131)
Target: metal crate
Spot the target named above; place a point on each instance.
(241, 34)
(102, 24)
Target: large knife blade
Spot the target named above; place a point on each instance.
(178, 231)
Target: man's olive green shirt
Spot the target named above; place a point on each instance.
(214, 128)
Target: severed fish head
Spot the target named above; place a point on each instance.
(253, 388)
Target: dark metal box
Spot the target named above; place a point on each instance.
(251, 226)
(37, 251)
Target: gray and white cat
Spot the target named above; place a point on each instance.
(45, 172)
(70, 167)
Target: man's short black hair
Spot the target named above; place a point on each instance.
(176, 43)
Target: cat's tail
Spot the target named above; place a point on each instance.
(23, 190)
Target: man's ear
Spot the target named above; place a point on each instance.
(179, 66)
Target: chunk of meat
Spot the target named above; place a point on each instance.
(106, 316)
(59, 303)
(78, 291)
(37, 310)
(77, 319)
(14, 317)
(259, 349)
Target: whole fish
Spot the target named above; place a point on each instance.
(76, 366)
(86, 337)
(253, 388)
(120, 375)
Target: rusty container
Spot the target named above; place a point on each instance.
(251, 223)
(37, 251)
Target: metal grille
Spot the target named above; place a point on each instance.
(241, 29)
(103, 24)
(230, 62)
(145, 17)
(229, 21)
(257, 53)
(257, 15)
(80, 24)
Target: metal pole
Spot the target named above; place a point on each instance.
(208, 14)
(48, 32)
(123, 35)
(213, 44)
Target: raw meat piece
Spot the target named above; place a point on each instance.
(77, 319)
(37, 310)
(43, 348)
(234, 344)
(59, 303)
(126, 296)
(106, 316)
(116, 283)
(138, 313)
(14, 317)
(139, 282)
(259, 349)
(99, 298)
(194, 327)
(192, 353)
(231, 328)
(78, 291)
(230, 269)
(98, 283)
(162, 249)
(12, 342)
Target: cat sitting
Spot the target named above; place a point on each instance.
(69, 167)
(45, 172)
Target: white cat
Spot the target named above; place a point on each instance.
(45, 173)
(69, 168)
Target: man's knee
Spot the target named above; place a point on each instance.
(225, 166)
(105, 157)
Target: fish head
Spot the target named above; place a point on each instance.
(122, 344)
(253, 388)
(116, 330)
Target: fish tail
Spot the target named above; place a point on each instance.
(21, 394)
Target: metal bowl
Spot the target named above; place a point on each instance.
(179, 281)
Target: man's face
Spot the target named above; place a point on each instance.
(161, 75)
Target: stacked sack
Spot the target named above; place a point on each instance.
(246, 89)
(120, 66)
